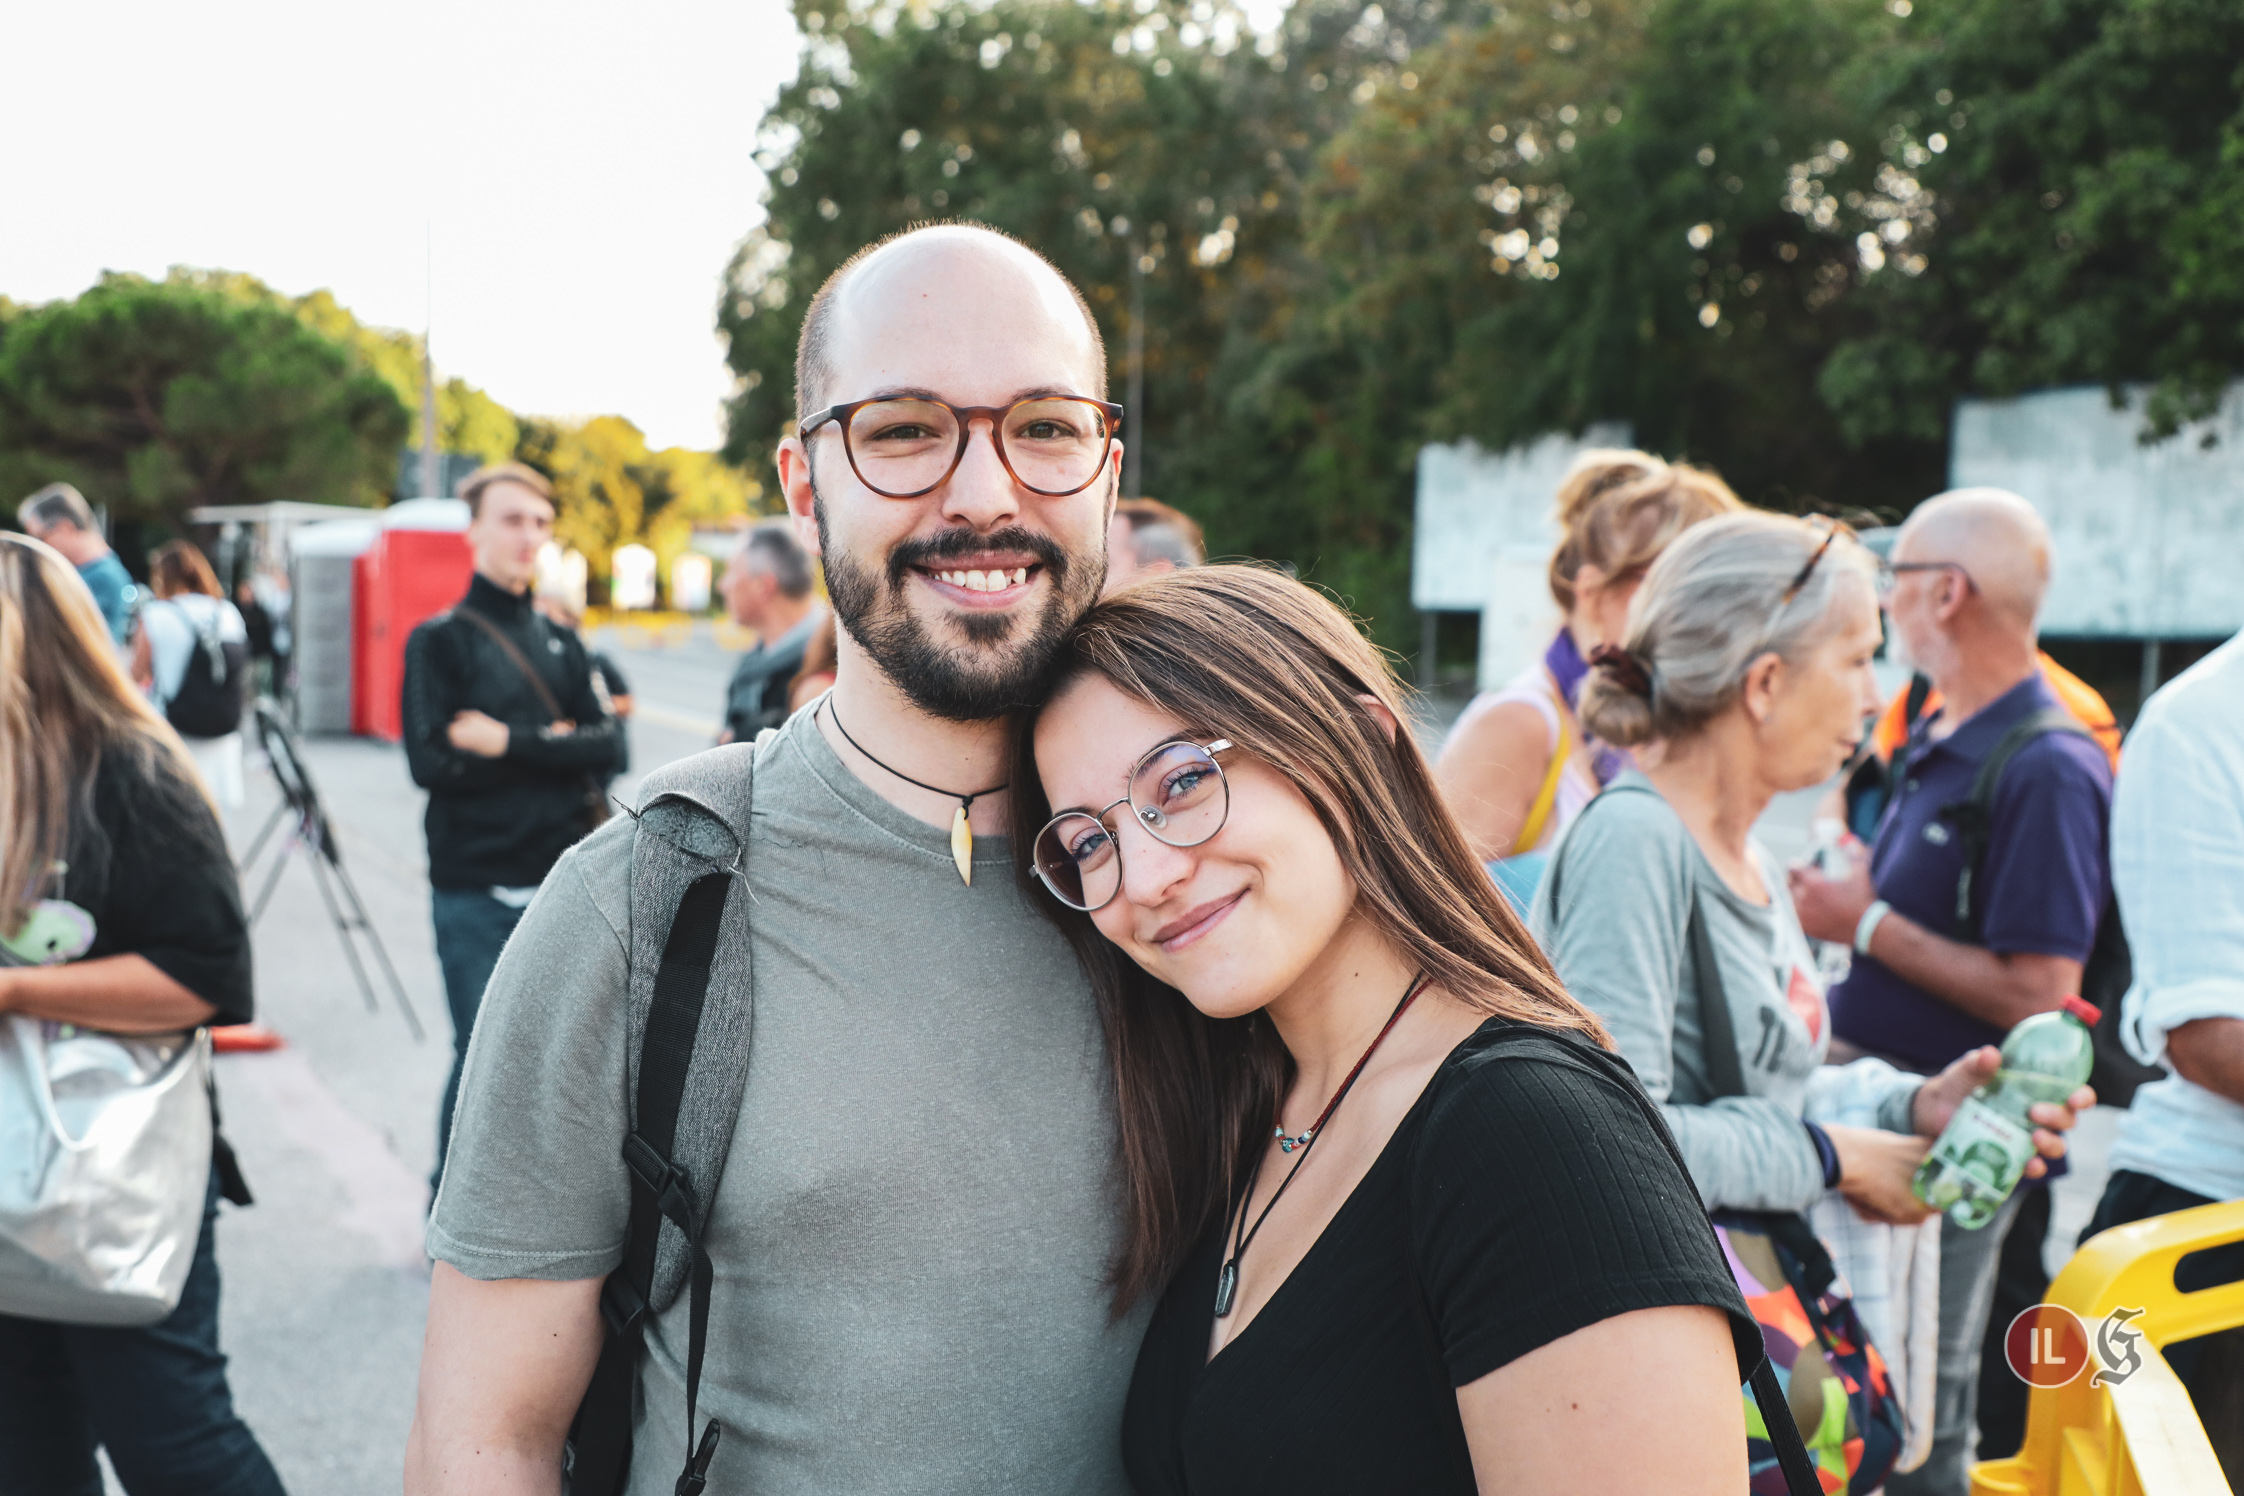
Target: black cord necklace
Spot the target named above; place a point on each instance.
(1227, 1282)
(962, 835)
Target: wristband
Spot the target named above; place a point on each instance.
(1826, 1153)
(1868, 925)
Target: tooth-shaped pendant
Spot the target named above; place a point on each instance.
(962, 846)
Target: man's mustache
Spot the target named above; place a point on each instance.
(963, 541)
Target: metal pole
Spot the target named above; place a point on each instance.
(1429, 639)
(432, 472)
(1133, 449)
(2151, 653)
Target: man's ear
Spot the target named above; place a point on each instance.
(793, 462)
(1380, 714)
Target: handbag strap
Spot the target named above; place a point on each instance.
(1784, 1434)
(507, 646)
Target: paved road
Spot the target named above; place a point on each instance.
(325, 1283)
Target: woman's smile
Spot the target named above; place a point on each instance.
(1194, 924)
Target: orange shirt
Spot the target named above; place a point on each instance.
(2079, 697)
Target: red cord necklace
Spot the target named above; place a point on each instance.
(1227, 1282)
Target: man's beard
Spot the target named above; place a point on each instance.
(1006, 661)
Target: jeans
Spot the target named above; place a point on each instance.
(155, 1397)
(471, 930)
(1968, 1261)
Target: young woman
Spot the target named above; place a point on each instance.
(190, 653)
(104, 823)
(1519, 766)
(1411, 1224)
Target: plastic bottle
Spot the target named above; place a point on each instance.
(1983, 1151)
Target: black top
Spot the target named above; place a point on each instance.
(150, 871)
(1532, 1191)
(756, 696)
(503, 822)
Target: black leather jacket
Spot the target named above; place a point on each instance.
(503, 821)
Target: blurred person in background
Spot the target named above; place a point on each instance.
(820, 665)
(1744, 674)
(190, 653)
(1467, 1257)
(768, 586)
(59, 515)
(259, 621)
(1932, 979)
(107, 818)
(2178, 865)
(1148, 538)
(559, 608)
(509, 731)
(1518, 766)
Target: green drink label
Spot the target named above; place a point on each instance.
(1985, 1145)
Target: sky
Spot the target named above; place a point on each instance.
(577, 175)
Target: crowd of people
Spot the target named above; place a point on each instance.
(919, 1089)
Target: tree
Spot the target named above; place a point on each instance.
(467, 419)
(158, 397)
(1584, 215)
(2085, 162)
(611, 491)
(1161, 135)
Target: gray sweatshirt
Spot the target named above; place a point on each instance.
(1619, 936)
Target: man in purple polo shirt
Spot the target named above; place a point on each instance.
(1966, 582)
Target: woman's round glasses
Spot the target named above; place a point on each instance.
(906, 446)
(1178, 794)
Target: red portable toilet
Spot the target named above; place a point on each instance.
(407, 575)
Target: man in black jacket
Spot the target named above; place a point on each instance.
(508, 729)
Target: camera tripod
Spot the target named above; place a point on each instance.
(310, 834)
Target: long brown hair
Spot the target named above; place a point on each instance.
(1247, 654)
(65, 700)
(178, 567)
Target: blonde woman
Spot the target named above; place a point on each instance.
(119, 911)
(1518, 766)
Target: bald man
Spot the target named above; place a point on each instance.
(1934, 978)
(912, 1221)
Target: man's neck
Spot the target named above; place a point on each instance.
(783, 616)
(511, 589)
(79, 547)
(1978, 673)
(964, 758)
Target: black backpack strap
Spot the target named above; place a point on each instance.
(660, 1190)
(1725, 1072)
(1973, 817)
(1776, 1416)
(691, 847)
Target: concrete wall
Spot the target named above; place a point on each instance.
(1484, 534)
(2150, 540)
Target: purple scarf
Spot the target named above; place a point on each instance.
(1569, 670)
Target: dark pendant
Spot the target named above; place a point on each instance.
(1227, 1287)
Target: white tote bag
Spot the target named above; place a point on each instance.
(105, 1147)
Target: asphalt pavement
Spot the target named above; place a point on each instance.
(326, 1286)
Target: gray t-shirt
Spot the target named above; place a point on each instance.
(1620, 940)
(913, 1225)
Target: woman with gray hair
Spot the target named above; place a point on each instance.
(1745, 673)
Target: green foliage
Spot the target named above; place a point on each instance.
(157, 397)
(1097, 133)
(1779, 237)
(2087, 161)
(610, 490)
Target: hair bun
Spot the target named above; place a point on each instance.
(1624, 669)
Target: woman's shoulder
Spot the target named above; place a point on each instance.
(1628, 824)
(1518, 1084)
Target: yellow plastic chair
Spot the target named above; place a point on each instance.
(2141, 1436)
